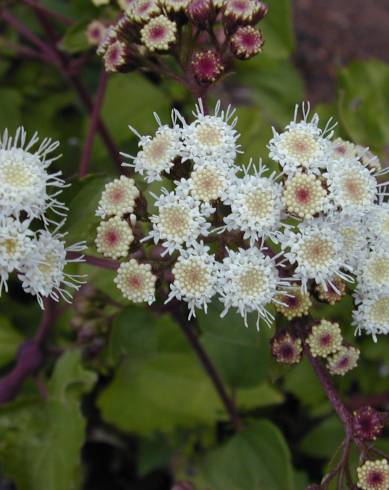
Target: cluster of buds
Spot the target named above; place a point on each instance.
(215, 231)
(31, 246)
(225, 29)
(326, 341)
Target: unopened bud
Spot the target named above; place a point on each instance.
(286, 348)
(246, 42)
(367, 423)
(207, 66)
(200, 12)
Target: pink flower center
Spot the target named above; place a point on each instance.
(117, 195)
(135, 282)
(112, 237)
(375, 478)
(303, 195)
(239, 6)
(157, 33)
(287, 351)
(325, 339)
(248, 40)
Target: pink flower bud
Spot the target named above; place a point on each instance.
(207, 66)
(246, 42)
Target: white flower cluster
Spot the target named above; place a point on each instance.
(28, 202)
(324, 209)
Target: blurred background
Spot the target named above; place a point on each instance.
(122, 402)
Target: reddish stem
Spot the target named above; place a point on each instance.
(49, 13)
(93, 124)
(29, 359)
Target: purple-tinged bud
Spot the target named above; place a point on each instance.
(143, 10)
(207, 66)
(367, 424)
(286, 348)
(246, 42)
(159, 33)
(242, 12)
(200, 12)
(95, 32)
(117, 57)
(333, 294)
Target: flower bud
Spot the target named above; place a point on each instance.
(200, 12)
(373, 475)
(95, 32)
(117, 57)
(286, 348)
(246, 42)
(207, 66)
(242, 12)
(367, 424)
(333, 294)
(343, 361)
(159, 33)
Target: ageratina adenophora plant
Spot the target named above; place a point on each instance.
(308, 225)
(190, 226)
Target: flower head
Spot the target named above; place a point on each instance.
(118, 198)
(15, 245)
(303, 145)
(157, 153)
(95, 32)
(304, 195)
(343, 361)
(195, 277)
(374, 475)
(181, 221)
(43, 272)
(378, 224)
(293, 303)
(243, 12)
(136, 282)
(210, 138)
(207, 66)
(249, 281)
(286, 348)
(371, 314)
(325, 339)
(159, 33)
(352, 186)
(24, 176)
(246, 42)
(116, 56)
(143, 10)
(373, 271)
(316, 251)
(114, 237)
(367, 423)
(256, 205)
(206, 183)
(332, 294)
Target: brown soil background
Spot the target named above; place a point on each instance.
(331, 33)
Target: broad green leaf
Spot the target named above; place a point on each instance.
(364, 103)
(75, 40)
(258, 396)
(322, 440)
(10, 112)
(41, 440)
(302, 383)
(240, 354)
(277, 29)
(10, 341)
(82, 220)
(255, 459)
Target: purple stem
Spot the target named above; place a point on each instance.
(29, 359)
(49, 13)
(93, 124)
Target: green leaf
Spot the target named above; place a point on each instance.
(322, 441)
(10, 113)
(255, 459)
(10, 340)
(160, 384)
(258, 396)
(364, 103)
(302, 383)
(41, 440)
(82, 221)
(277, 29)
(75, 39)
(240, 354)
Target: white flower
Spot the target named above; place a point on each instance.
(195, 278)
(181, 221)
(210, 139)
(342, 151)
(136, 282)
(24, 177)
(249, 281)
(206, 183)
(302, 145)
(158, 152)
(256, 205)
(372, 312)
(118, 198)
(373, 272)
(351, 230)
(15, 245)
(43, 275)
(378, 224)
(352, 186)
(304, 195)
(114, 237)
(316, 249)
